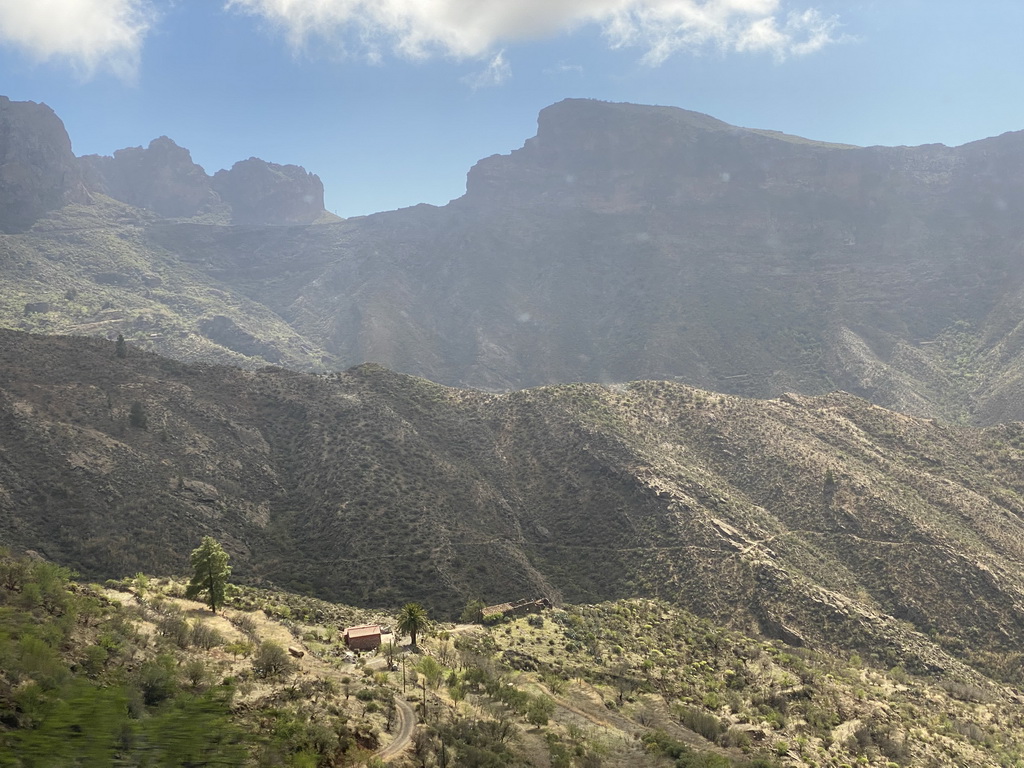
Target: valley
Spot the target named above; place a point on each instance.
(744, 408)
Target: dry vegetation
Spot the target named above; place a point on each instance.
(133, 673)
(824, 521)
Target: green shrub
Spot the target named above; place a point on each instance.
(271, 660)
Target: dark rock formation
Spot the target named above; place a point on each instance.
(38, 172)
(162, 178)
(267, 193)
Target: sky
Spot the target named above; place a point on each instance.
(391, 102)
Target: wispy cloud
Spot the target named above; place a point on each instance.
(495, 73)
(88, 34)
(565, 69)
(473, 28)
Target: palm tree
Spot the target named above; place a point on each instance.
(412, 620)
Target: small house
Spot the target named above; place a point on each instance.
(365, 637)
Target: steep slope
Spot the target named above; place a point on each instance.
(818, 520)
(38, 171)
(92, 270)
(621, 242)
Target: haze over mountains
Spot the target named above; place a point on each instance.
(622, 242)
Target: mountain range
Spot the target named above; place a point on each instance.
(712, 286)
(816, 520)
(621, 242)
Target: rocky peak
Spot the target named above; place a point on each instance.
(162, 178)
(267, 193)
(38, 172)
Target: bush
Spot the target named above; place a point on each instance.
(735, 738)
(195, 672)
(271, 660)
(246, 625)
(175, 628)
(95, 660)
(156, 680)
(539, 710)
(698, 721)
(206, 637)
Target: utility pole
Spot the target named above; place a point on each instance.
(424, 698)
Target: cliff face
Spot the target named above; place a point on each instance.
(656, 242)
(38, 172)
(621, 242)
(624, 157)
(161, 177)
(267, 193)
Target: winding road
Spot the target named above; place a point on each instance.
(403, 736)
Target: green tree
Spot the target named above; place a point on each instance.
(120, 348)
(137, 416)
(430, 669)
(210, 571)
(412, 620)
(271, 660)
(539, 710)
(473, 613)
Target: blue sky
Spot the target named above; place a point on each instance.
(392, 101)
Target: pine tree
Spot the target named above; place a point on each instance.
(210, 571)
(120, 348)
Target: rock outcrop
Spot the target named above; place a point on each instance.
(164, 179)
(38, 172)
(161, 177)
(267, 193)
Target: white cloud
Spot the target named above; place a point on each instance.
(472, 28)
(565, 69)
(90, 34)
(495, 73)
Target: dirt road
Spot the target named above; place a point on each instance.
(403, 735)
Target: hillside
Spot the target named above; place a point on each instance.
(622, 242)
(132, 674)
(823, 521)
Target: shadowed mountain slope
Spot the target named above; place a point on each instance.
(812, 519)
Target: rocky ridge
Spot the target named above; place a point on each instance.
(621, 242)
(162, 178)
(39, 173)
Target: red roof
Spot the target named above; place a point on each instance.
(364, 630)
